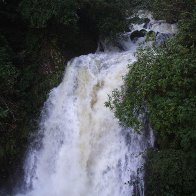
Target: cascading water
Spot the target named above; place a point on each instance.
(84, 151)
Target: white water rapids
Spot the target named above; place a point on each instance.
(84, 151)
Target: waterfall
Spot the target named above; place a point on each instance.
(83, 151)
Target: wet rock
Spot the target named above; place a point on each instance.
(161, 38)
(146, 21)
(137, 34)
(151, 36)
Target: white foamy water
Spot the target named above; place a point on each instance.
(84, 151)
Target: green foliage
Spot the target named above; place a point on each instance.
(8, 77)
(170, 173)
(161, 86)
(8, 107)
(150, 36)
(103, 15)
(73, 14)
(45, 12)
(8, 72)
(170, 10)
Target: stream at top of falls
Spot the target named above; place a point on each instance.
(83, 151)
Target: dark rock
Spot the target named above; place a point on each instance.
(146, 20)
(161, 38)
(137, 34)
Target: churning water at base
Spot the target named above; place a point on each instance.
(84, 151)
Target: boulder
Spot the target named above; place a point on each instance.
(137, 34)
(151, 36)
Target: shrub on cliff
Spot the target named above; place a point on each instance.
(161, 86)
(104, 17)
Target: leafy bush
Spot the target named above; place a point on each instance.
(44, 12)
(161, 86)
(8, 78)
(8, 72)
(101, 14)
(170, 10)
(170, 173)
(8, 108)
